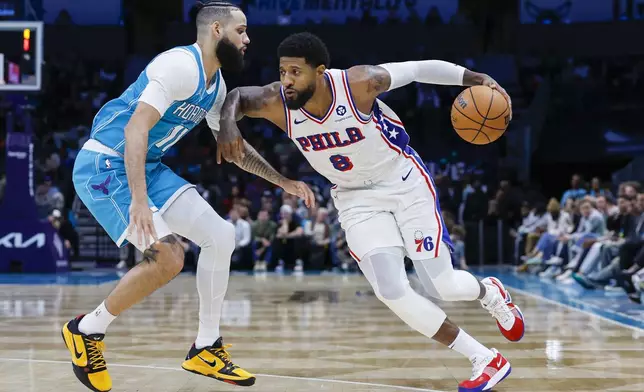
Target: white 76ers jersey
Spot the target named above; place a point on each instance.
(347, 147)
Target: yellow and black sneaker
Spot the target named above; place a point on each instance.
(87, 357)
(214, 361)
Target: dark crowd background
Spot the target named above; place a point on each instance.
(559, 195)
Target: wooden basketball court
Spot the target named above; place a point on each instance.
(306, 333)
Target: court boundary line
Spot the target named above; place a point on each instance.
(564, 305)
(346, 382)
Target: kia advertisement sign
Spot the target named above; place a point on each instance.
(31, 246)
(27, 244)
(15, 241)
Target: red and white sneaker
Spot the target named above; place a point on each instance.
(486, 372)
(508, 316)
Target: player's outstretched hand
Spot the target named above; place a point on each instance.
(301, 190)
(491, 83)
(141, 221)
(230, 144)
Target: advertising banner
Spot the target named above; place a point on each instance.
(27, 244)
(31, 246)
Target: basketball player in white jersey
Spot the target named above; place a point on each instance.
(120, 178)
(386, 199)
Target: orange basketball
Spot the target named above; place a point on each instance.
(480, 115)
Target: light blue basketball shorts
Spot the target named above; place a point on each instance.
(101, 183)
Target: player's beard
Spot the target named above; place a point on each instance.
(301, 98)
(229, 56)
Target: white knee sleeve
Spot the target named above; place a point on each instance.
(443, 282)
(384, 268)
(216, 238)
(190, 216)
(389, 278)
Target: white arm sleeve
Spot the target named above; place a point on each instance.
(427, 71)
(214, 114)
(173, 76)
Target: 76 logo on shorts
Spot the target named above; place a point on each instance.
(423, 242)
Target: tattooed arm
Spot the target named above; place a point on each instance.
(369, 81)
(254, 101)
(254, 163)
(258, 102)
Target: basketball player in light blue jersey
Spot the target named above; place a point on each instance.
(119, 176)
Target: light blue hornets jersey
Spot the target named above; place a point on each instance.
(179, 119)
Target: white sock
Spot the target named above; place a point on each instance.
(97, 321)
(468, 346)
(207, 335)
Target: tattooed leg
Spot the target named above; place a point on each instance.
(163, 261)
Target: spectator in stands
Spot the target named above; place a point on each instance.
(266, 202)
(596, 189)
(509, 202)
(458, 256)
(242, 257)
(603, 251)
(629, 189)
(476, 203)
(612, 270)
(591, 226)
(346, 260)
(244, 213)
(576, 190)
(287, 245)
(534, 223)
(48, 198)
(235, 198)
(318, 232)
(263, 230)
(66, 233)
(606, 206)
(559, 222)
(631, 257)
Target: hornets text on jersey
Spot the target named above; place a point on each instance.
(181, 117)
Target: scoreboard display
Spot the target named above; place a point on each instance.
(21, 54)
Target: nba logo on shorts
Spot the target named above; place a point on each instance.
(423, 242)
